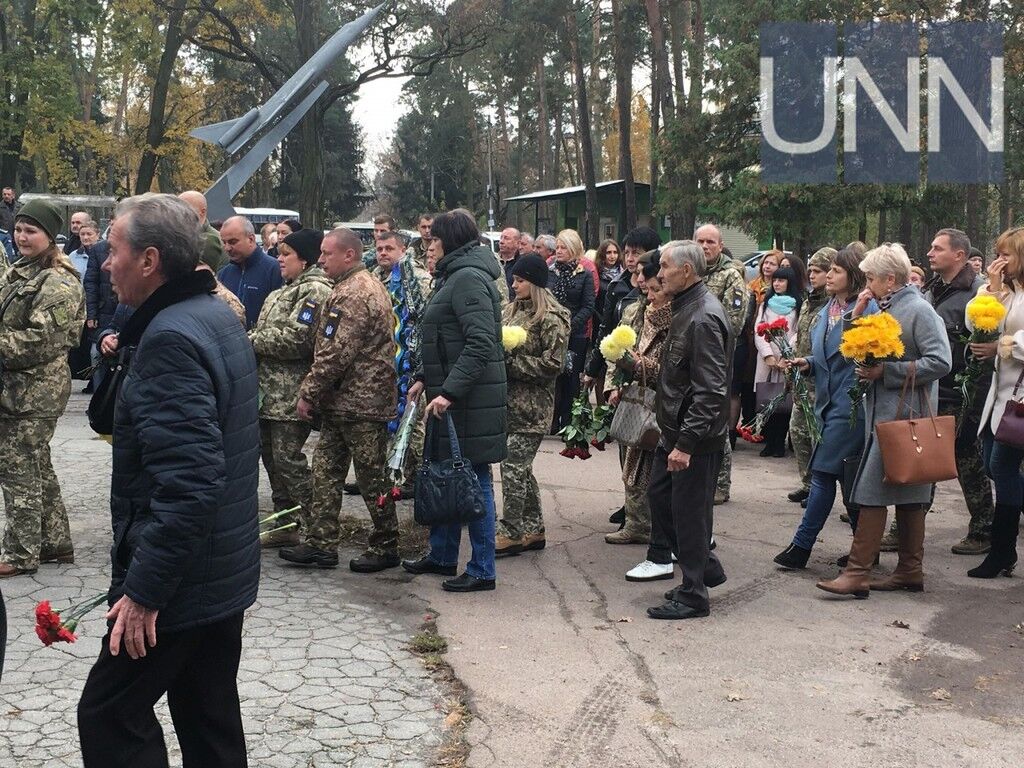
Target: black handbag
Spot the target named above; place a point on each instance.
(447, 492)
(104, 399)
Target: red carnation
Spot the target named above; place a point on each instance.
(780, 324)
(598, 444)
(382, 501)
(396, 493)
(762, 329)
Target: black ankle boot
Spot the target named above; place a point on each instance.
(793, 558)
(1002, 558)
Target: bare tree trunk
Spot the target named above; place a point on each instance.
(118, 127)
(597, 108)
(660, 58)
(972, 204)
(543, 130)
(624, 104)
(655, 125)
(155, 131)
(593, 227)
(556, 167)
(883, 224)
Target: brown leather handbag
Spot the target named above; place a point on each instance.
(916, 451)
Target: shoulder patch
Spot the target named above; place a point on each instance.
(308, 312)
(59, 313)
(332, 323)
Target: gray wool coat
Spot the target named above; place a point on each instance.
(925, 342)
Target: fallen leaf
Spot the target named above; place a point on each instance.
(941, 694)
(625, 620)
(502, 647)
(900, 624)
(735, 697)
(1019, 629)
(914, 657)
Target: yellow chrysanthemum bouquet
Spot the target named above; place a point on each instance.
(512, 336)
(872, 339)
(984, 314)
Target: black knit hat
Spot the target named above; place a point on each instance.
(532, 268)
(306, 243)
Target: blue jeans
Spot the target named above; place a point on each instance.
(1002, 464)
(819, 506)
(445, 539)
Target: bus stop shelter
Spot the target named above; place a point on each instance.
(567, 208)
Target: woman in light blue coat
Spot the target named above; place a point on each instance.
(927, 358)
(833, 377)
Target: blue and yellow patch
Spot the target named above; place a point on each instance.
(307, 313)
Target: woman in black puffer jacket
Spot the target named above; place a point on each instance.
(573, 286)
(463, 373)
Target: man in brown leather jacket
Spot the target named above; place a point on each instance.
(693, 414)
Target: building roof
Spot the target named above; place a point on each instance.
(554, 194)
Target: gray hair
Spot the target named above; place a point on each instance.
(958, 240)
(247, 228)
(548, 241)
(681, 252)
(887, 259)
(163, 222)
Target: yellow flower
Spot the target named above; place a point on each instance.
(873, 336)
(624, 336)
(512, 336)
(985, 313)
(610, 350)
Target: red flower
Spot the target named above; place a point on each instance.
(598, 444)
(382, 501)
(49, 628)
(779, 324)
(396, 493)
(762, 329)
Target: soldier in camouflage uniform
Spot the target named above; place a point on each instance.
(725, 280)
(409, 288)
(817, 268)
(531, 368)
(352, 386)
(283, 340)
(42, 311)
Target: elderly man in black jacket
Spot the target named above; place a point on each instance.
(693, 415)
(185, 552)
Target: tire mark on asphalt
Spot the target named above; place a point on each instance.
(592, 727)
(748, 593)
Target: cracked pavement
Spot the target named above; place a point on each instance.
(326, 678)
(780, 674)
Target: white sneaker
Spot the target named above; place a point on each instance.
(648, 571)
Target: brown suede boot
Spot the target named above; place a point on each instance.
(854, 580)
(908, 574)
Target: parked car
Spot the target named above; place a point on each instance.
(753, 260)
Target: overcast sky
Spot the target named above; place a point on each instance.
(376, 111)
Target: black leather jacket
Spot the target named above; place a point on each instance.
(696, 367)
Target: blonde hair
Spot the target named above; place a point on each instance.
(777, 255)
(1013, 240)
(570, 238)
(888, 259)
(53, 258)
(541, 299)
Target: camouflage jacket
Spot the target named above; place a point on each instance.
(353, 371)
(42, 312)
(222, 293)
(811, 307)
(532, 367)
(726, 282)
(283, 339)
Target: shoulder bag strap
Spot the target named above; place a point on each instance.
(909, 382)
(1020, 379)
(453, 438)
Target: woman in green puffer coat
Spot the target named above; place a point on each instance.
(531, 367)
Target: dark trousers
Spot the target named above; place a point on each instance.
(682, 505)
(197, 669)
(567, 384)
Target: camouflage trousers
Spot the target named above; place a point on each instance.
(291, 483)
(975, 484)
(520, 514)
(364, 443)
(724, 484)
(800, 436)
(36, 518)
(414, 453)
(638, 509)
